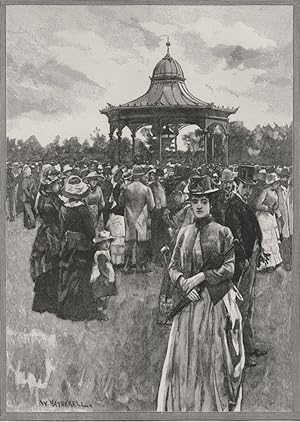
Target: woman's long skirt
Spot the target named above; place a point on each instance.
(44, 264)
(205, 358)
(75, 295)
(270, 239)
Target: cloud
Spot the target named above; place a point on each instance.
(48, 88)
(66, 62)
(260, 58)
(214, 33)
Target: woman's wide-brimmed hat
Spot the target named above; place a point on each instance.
(246, 174)
(138, 170)
(102, 236)
(272, 178)
(127, 175)
(285, 172)
(75, 188)
(49, 175)
(93, 175)
(262, 175)
(201, 185)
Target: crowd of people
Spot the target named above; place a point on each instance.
(210, 228)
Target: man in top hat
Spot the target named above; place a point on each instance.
(139, 202)
(107, 189)
(242, 221)
(226, 193)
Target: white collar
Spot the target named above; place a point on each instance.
(239, 196)
(73, 204)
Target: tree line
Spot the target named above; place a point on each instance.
(263, 145)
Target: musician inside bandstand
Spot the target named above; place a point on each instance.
(205, 356)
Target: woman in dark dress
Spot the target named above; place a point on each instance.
(75, 294)
(44, 257)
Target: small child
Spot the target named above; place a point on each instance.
(103, 276)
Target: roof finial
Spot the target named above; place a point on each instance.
(168, 44)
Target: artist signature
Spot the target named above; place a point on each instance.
(64, 403)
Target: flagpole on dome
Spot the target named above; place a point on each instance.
(168, 44)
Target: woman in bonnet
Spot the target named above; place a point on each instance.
(75, 295)
(44, 258)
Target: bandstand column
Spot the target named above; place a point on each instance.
(205, 144)
(213, 148)
(160, 143)
(112, 152)
(133, 134)
(226, 149)
(118, 152)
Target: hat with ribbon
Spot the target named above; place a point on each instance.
(102, 236)
(66, 168)
(75, 188)
(272, 178)
(49, 175)
(285, 172)
(201, 185)
(127, 175)
(138, 170)
(93, 175)
(262, 175)
(227, 175)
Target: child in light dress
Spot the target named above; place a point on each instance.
(103, 276)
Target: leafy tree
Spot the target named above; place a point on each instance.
(71, 148)
(238, 143)
(53, 150)
(32, 149)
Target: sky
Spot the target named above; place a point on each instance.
(64, 63)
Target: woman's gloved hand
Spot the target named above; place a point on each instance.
(190, 283)
(193, 295)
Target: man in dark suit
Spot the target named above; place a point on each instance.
(242, 221)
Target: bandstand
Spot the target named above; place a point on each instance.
(168, 104)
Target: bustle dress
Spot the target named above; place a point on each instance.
(203, 367)
(44, 258)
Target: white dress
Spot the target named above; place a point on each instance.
(269, 227)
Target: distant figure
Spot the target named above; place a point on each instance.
(158, 228)
(95, 200)
(139, 202)
(12, 180)
(28, 197)
(107, 188)
(270, 221)
(221, 203)
(284, 208)
(116, 221)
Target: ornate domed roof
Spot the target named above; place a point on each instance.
(168, 68)
(168, 89)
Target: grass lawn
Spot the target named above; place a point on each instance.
(115, 365)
